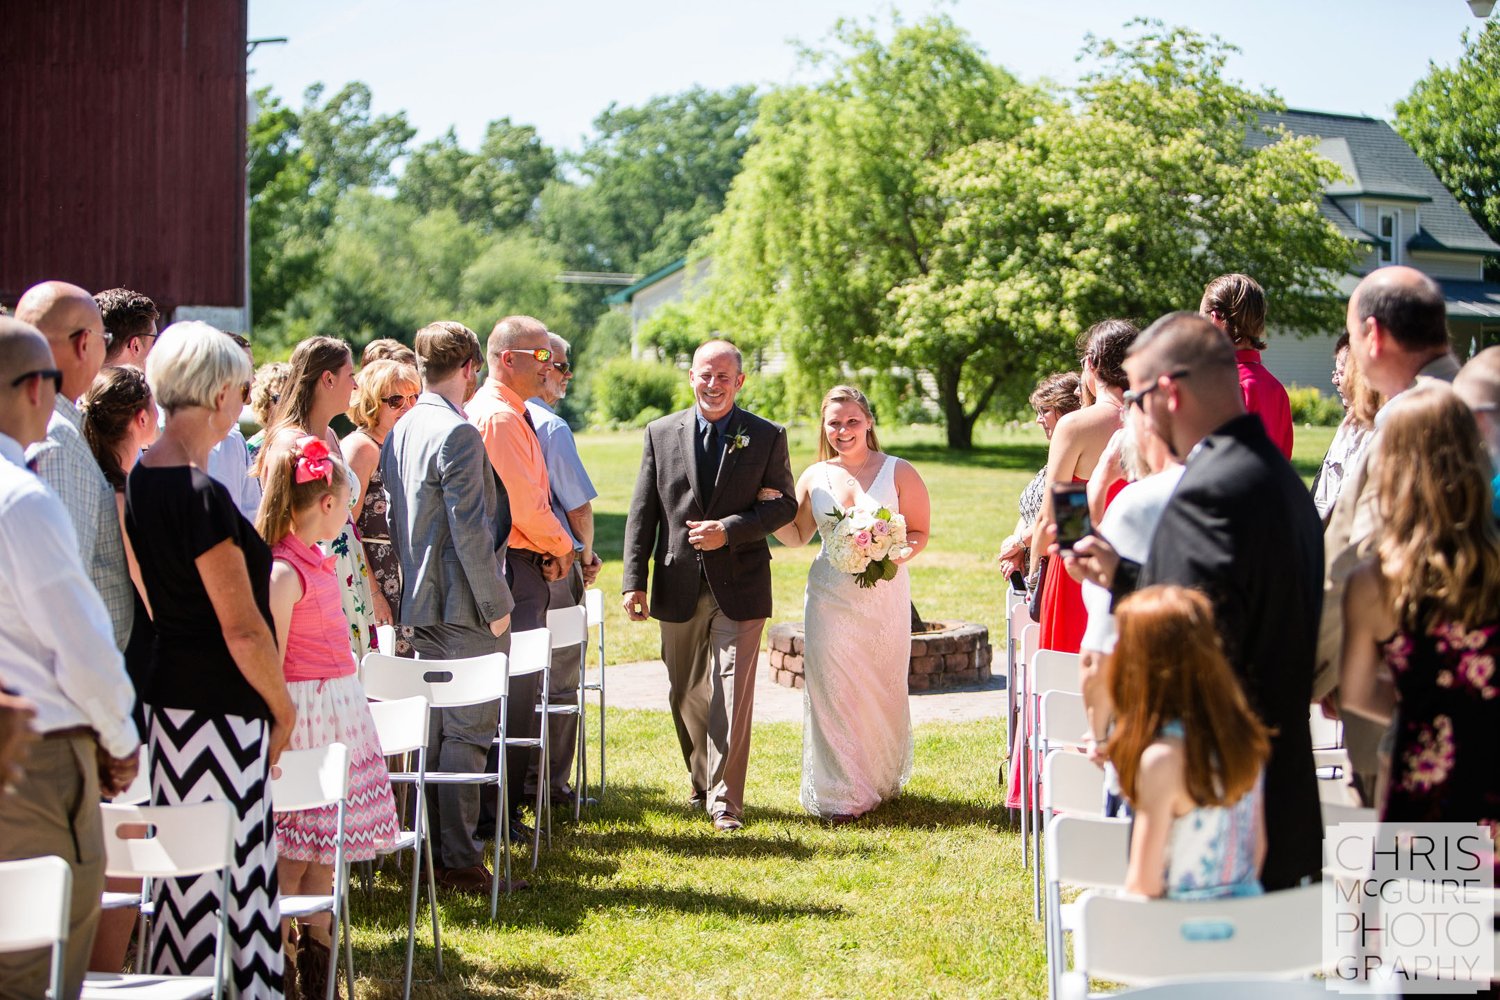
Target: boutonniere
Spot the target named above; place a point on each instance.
(739, 440)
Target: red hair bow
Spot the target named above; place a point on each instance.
(313, 461)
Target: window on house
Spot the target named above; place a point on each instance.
(1389, 236)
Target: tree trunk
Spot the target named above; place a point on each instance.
(959, 425)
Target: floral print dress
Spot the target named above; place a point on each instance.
(373, 522)
(1446, 763)
(354, 580)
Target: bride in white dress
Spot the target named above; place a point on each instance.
(856, 737)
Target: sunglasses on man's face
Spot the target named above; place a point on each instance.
(397, 402)
(51, 374)
(563, 368)
(542, 354)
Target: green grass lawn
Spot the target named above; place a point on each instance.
(926, 897)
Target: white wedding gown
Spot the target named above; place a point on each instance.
(856, 737)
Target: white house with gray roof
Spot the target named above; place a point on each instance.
(1393, 204)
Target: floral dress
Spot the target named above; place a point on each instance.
(354, 579)
(373, 522)
(1444, 767)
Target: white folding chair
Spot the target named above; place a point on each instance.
(1015, 607)
(38, 894)
(319, 779)
(1138, 942)
(472, 680)
(530, 653)
(570, 627)
(1030, 638)
(1083, 852)
(401, 728)
(593, 605)
(169, 842)
(139, 793)
(1072, 785)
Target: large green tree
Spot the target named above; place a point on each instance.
(970, 230)
(650, 179)
(496, 187)
(1452, 119)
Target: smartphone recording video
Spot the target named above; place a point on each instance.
(1070, 505)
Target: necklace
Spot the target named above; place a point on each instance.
(854, 476)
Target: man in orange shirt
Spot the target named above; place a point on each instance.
(541, 550)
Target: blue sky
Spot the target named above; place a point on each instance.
(556, 66)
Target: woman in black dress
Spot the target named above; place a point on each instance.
(219, 710)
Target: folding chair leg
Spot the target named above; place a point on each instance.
(502, 820)
(437, 934)
(348, 940)
(411, 915)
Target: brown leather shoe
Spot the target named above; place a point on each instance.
(475, 878)
(725, 823)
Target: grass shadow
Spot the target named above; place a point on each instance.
(1015, 457)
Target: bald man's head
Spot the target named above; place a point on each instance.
(1406, 303)
(1478, 385)
(516, 333)
(26, 393)
(69, 318)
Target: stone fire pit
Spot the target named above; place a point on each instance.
(948, 654)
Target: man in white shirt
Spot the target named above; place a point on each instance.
(69, 318)
(57, 650)
(229, 462)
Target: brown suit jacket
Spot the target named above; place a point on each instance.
(666, 498)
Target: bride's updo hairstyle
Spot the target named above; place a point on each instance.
(845, 394)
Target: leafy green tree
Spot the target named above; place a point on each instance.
(496, 187)
(1450, 119)
(350, 146)
(954, 224)
(651, 179)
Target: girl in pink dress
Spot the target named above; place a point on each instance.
(307, 502)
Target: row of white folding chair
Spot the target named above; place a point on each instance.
(401, 727)
(1048, 671)
(1061, 725)
(1013, 601)
(570, 627)
(1083, 852)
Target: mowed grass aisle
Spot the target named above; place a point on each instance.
(926, 897)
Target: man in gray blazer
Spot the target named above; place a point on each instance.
(695, 516)
(449, 522)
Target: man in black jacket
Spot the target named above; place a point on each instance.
(1242, 528)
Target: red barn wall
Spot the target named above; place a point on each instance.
(122, 147)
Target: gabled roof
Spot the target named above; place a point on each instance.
(1380, 164)
(627, 293)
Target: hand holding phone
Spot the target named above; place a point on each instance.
(1070, 510)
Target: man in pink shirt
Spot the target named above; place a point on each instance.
(1236, 304)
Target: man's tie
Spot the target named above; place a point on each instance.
(708, 463)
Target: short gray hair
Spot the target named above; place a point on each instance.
(191, 364)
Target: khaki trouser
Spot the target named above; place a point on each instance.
(711, 661)
(55, 810)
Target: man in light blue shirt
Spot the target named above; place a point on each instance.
(573, 496)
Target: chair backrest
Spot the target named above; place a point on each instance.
(1326, 732)
(1031, 640)
(593, 605)
(310, 779)
(140, 787)
(444, 683)
(1063, 721)
(1091, 852)
(569, 627)
(1138, 941)
(166, 841)
(1336, 791)
(37, 894)
(400, 725)
(1013, 600)
(1072, 784)
(1343, 812)
(1054, 671)
(530, 651)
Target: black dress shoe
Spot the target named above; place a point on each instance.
(697, 801)
(520, 832)
(565, 800)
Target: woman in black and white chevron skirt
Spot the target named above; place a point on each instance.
(219, 710)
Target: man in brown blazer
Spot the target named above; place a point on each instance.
(696, 518)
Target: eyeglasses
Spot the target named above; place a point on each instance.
(1138, 399)
(45, 373)
(563, 367)
(398, 401)
(542, 354)
(104, 335)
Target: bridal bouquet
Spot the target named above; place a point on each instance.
(866, 543)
